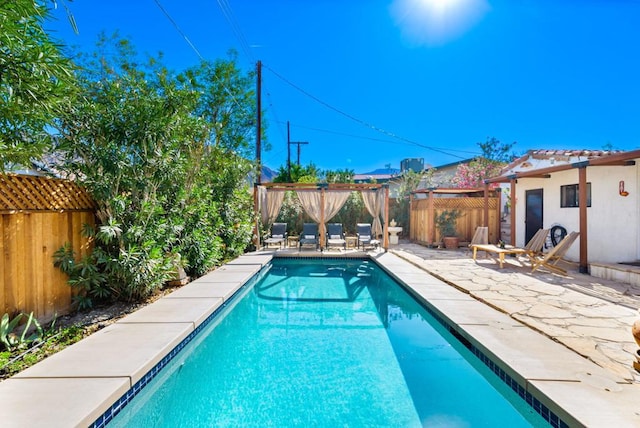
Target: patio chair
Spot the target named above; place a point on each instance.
(309, 235)
(278, 235)
(335, 236)
(364, 234)
(480, 237)
(536, 243)
(551, 259)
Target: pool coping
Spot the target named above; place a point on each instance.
(95, 376)
(578, 391)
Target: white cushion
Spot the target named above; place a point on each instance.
(334, 236)
(309, 236)
(277, 236)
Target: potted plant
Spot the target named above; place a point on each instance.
(446, 223)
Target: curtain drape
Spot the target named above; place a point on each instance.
(310, 201)
(381, 207)
(374, 203)
(270, 204)
(333, 201)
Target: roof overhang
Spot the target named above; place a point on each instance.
(326, 186)
(618, 159)
(451, 190)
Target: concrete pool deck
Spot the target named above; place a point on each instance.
(578, 351)
(576, 356)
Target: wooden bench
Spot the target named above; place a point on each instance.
(490, 248)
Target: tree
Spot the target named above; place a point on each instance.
(162, 155)
(299, 174)
(35, 82)
(227, 103)
(495, 155)
(409, 181)
(339, 176)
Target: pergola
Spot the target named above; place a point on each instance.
(321, 205)
(618, 159)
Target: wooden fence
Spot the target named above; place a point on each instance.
(424, 211)
(38, 215)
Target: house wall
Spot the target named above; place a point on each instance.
(613, 221)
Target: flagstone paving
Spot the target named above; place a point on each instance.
(589, 315)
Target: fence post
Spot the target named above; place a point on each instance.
(431, 230)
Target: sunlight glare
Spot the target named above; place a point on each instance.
(435, 22)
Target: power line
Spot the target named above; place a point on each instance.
(235, 27)
(380, 139)
(229, 16)
(272, 110)
(353, 118)
(193, 47)
(175, 25)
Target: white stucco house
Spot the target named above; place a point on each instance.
(546, 191)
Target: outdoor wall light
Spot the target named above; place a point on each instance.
(621, 190)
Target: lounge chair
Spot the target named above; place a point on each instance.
(278, 235)
(480, 237)
(532, 250)
(536, 244)
(365, 236)
(550, 259)
(335, 236)
(309, 235)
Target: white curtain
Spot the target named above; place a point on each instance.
(333, 201)
(381, 207)
(270, 204)
(374, 202)
(310, 201)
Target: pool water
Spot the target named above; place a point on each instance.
(326, 343)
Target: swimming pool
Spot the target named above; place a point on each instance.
(326, 343)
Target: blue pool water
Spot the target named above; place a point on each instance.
(326, 343)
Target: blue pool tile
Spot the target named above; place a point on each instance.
(533, 402)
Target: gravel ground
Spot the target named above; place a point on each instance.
(102, 316)
(89, 321)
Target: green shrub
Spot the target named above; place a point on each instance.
(10, 336)
(446, 222)
(165, 158)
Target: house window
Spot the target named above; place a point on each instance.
(569, 196)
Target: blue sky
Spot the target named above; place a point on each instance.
(380, 81)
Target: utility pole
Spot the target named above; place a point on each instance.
(298, 143)
(256, 225)
(289, 143)
(259, 119)
(288, 152)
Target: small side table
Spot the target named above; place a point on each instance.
(352, 241)
(292, 241)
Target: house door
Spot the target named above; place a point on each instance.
(533, 213)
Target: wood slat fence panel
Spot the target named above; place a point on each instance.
(424, 211)
(39, 215)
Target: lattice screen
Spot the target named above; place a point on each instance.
(32, 193)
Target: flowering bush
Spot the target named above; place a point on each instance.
(495, 155)
(475, 172)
